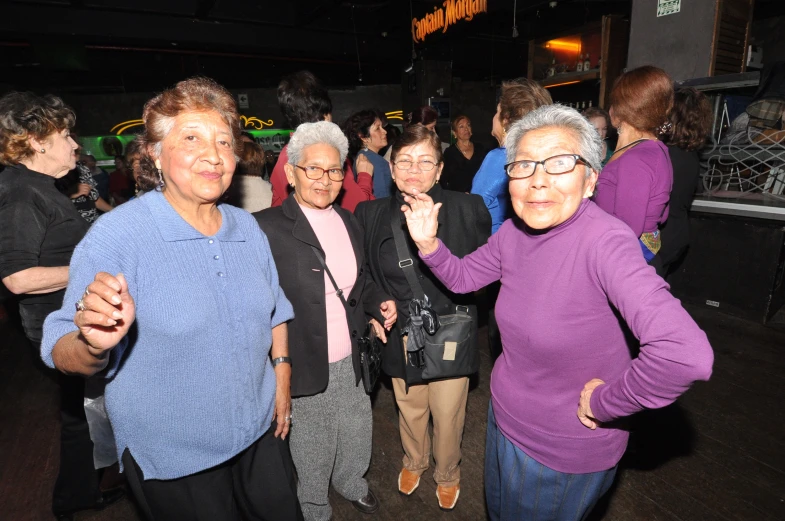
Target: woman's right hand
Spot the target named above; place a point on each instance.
(82, 189)
(364, 164)
(108, 313)
(422, 219)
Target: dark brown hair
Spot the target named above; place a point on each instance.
(414, 135)
(423, 115)
(519, 97)
(191, 95)
(251, 160)
(690, 119)
(24, 115)
(643, 98)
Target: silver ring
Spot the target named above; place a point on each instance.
(80, 305)
(86, 291)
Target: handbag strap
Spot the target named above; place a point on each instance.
(338, 291)
(405, 261)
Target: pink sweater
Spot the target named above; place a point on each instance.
(339, 255)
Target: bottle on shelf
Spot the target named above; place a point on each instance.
(587, 63)
(552, 69)
(579, 65)
(589, 103)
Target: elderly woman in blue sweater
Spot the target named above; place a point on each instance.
(178, 305)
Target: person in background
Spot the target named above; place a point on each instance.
(80, 185)
(331, 440)
(249, 190)
(690, 122)
(178, 306)
(100, 175)
(269, 164)
(302, 98)
(367, 137)
(120, 182)
(463, 159)
(602, 122)
(635, 185)
(393, 133)
(40, 229)
(566, 373)
(466, 225)
(518, 98)
(427, 117)
(135, 158)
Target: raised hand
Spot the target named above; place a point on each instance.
(105, 312)
(422, 220)
(364, 165)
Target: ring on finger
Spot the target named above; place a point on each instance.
(86, 291)
(80, 305)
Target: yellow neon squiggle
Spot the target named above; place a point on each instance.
(135, 121)
(255, 123)
(128, 126)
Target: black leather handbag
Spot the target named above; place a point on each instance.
(439, 345)
(370, 346)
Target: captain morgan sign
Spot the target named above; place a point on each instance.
(442, 18)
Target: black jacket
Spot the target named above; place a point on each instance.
(301, 277)
(464, 226)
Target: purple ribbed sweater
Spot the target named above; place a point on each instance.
(556, 316)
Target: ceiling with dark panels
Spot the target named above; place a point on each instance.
(142, 45)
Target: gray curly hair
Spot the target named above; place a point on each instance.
(566, 118)
(321, 132)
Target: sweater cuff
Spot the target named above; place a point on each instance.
(598, 410)
(438, 256)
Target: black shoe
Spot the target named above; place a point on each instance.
(107, 498)
(367, 505)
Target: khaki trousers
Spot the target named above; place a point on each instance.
(445, 401)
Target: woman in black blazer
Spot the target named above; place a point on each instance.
(330, 436)
(464, 224)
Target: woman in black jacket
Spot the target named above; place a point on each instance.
(331, 413)
(464, 224)
(690, 122)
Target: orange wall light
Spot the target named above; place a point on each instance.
(563, 45)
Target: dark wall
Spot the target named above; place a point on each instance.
(768, 33)
(679, 43)
(97, 113)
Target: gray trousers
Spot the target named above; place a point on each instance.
(331, 436)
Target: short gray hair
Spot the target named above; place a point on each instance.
(561, 117)
(321, 132)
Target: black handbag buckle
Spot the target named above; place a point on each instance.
(405, 263)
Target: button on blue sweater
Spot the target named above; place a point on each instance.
(191, 385)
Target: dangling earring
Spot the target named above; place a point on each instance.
(160, 178)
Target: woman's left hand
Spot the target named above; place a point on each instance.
(584, 407)
(283, 400)
(389, 312)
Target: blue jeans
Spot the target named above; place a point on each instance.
(518, 487)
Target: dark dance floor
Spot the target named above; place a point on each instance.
(718, 454)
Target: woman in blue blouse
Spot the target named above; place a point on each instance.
(179, 307)
(519, 97)
(366, 135)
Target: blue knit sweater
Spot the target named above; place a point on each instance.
(492, 184)
(191, 385)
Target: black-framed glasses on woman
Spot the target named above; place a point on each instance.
(554, 165)
(424, 165)
(315, 173)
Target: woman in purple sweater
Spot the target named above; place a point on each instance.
(565, 374)
(635, 185)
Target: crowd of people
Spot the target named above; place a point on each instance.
(228, 298)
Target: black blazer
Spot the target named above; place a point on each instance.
(301, 277)
(464, 226)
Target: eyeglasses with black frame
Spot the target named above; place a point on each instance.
(314, 173)
(424, 165)
(554, 165)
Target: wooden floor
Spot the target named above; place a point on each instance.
(718, 454)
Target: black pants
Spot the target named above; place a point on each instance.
(77, 480)
(257, 484)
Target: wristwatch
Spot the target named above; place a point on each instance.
(282, 359)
